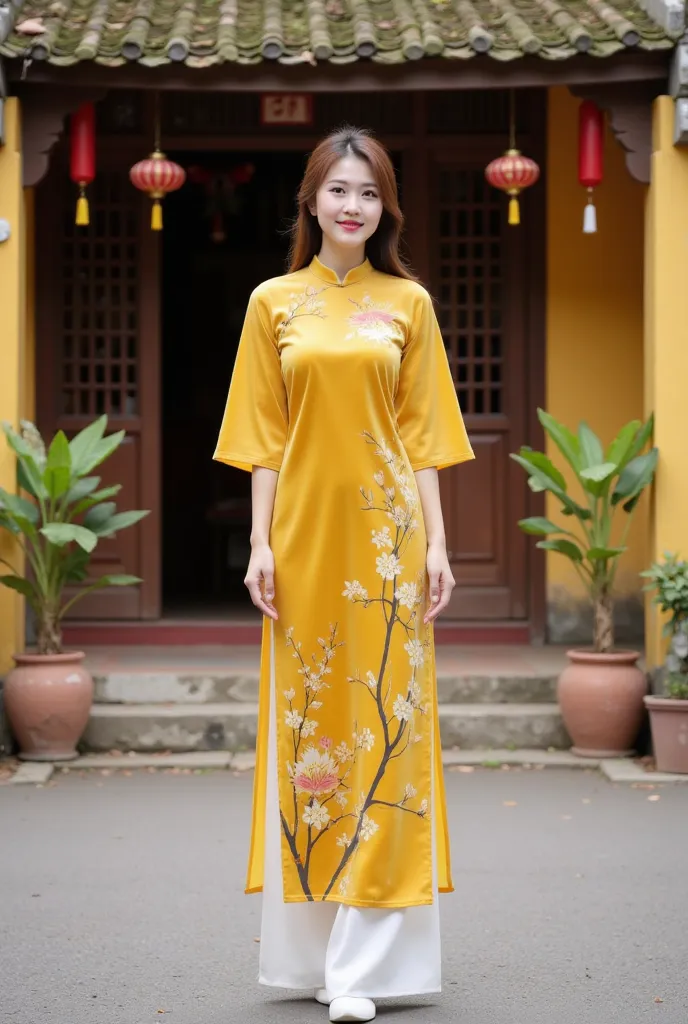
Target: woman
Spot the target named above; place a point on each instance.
(342, 405)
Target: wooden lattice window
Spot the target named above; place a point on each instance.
(469, 287)
(100, 301)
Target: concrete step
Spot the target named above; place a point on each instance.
(217, 687)
(232, 725)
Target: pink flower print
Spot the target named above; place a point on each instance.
(373, 322)
(326, 742)
(372, 316)
(315, 773)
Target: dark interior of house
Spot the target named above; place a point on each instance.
(226, 230)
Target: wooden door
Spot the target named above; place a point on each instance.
(477, 275)
(98, 352)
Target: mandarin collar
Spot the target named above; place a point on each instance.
(327, 274)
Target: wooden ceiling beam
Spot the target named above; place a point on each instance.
(430, 74)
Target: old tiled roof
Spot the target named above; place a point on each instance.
(201, 33)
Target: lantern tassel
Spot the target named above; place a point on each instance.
(156, 216)
(82, 218)
(514, 211)
(590, 216)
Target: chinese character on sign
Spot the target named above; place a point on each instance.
(286, 108)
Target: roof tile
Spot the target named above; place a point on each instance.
(201, 33)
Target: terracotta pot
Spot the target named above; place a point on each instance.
(601, 700)
(48, 699)
(669, 725)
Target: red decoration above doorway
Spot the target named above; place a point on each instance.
(590, 158)
(512, 172)
(82, 163)
(157, 176)
(220, 188)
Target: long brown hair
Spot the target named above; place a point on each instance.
(382, 248)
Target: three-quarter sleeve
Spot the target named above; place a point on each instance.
(430, 423)
(255, 422)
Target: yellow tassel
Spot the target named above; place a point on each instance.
(156, 216)
(82, 218)
(514, 212)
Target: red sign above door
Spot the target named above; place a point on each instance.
(279, 108)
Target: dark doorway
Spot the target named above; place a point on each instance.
(226, 231)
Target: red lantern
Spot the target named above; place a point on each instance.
(82, 165)
(590, 157)
(511, 173)
(157, 176)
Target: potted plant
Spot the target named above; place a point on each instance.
(669, 713)
(601, 691)
(48, 694)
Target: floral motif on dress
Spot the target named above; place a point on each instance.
(305, 303)
(322, 799)
(374, 321)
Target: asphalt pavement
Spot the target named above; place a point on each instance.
(121, 902)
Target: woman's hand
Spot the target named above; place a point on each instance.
(441, 581)
(260, 579)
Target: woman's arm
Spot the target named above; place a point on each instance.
(261, 566)
(440, 575)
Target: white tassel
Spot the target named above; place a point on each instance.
(590, 219)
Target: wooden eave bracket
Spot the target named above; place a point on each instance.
(44, 114)
(629, 112)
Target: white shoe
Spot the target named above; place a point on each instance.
(321, 996)
(352, 1008)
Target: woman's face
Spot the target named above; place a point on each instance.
(348, 204)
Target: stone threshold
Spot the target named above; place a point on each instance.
(617, 770)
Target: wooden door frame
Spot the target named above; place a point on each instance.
(415, 150)
(417, 156)
(48, 213)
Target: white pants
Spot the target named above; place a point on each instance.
(350, 951)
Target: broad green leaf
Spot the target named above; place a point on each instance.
(29, 479)
(8, 523)
(120, 521)
(620, 447)
(598, 474)
(545, 465)
(591, 450)
(58, 470)
(540, 481)
(18, 506)
(82, 488)
(29, 474)
(596, 478)
(566, 442)
(99, 515)
(542, 476)
(82, 444)
(564, 547)
(95, 499)
(22, 586)
(539, 525)
(101, 451)
(643, 436)
(602, 554)
(120, 580)
(637, 474)
(63, 533)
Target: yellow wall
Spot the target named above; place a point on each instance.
(666, 349)
(594, 312)
(12, 377)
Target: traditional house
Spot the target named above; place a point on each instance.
(115, 318)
